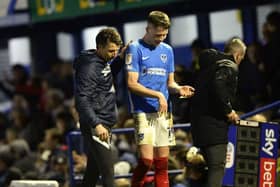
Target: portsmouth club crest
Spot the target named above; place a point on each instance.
(163, 58)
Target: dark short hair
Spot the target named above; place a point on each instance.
(158, 18)
(198, 43)
(273, 18)
(107, 35)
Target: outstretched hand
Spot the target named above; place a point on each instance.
(186, 91)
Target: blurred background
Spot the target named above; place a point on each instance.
(39, 40)
(44, 35)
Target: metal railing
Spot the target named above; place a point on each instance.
(261, 109)
(130, 130)
(77, 134)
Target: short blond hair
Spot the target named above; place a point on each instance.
(235, 45)
(159, 19)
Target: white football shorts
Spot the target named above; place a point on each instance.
(154, 129)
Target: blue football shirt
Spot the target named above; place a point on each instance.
(153, 65)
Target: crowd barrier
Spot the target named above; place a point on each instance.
(75, 142)
(241, 173)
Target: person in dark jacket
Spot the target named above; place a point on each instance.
(212, 110)
(96, 103)
(271, 55)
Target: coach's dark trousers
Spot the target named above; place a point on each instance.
(99, 163)
(215, 157)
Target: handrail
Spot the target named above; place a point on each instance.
(11, 7)
(261, 109)
(115, 131)
(124, 130)
(183, 125)
(129, 130)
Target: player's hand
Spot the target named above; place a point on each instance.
(233, 117)
(186, 91)
(123, 49)
(102, 132)
(162, 104)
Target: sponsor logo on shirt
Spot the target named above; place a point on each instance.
(154, 71)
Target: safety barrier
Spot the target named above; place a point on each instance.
(74, 135)
(261, 109)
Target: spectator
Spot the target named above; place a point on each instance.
(271, 33)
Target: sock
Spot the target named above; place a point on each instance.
(161, 172)
(140, 171)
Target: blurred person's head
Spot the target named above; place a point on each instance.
(195, 165)
(254, 52)
(236, 48)
(20, 74)
(122, 168)
(180, 74)
(197, 46)
(19, 148)
(54, 99)
(64, 122)
(271, 25)
(52, 138)
(108, 43)
(11, 134)
(20, 102)
(20, 118)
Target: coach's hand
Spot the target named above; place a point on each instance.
(102, 132)
(233, 117)
(123, 49)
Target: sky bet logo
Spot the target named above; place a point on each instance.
(267, 173)
(270, 140)
(268, 156)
